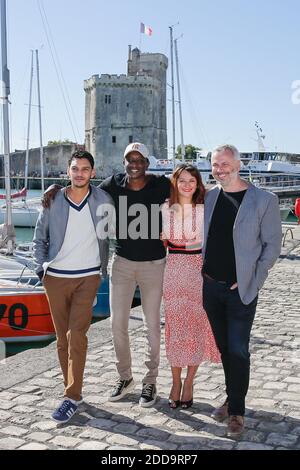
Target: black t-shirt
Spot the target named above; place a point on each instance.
(219, 255)
(147, 246)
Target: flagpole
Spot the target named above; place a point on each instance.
(173, 99)
(140, 41)
(179, 101)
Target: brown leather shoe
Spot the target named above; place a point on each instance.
(220, 413)
(235, 426)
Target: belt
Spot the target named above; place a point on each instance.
(182, 250)
(225, 283)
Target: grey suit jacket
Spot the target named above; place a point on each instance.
(256, 237)
(51, 228)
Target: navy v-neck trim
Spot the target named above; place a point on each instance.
(79, 207)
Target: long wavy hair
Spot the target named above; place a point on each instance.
(199, 194)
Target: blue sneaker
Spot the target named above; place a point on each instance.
(65, 411)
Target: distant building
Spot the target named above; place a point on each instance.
(55, 160)
(121, 109)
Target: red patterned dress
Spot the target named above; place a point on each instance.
(189, 338)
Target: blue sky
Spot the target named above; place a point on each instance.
(238, 60)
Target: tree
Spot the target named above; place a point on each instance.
(190, 152)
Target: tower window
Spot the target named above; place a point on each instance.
(107, 99)
(114, 139)
(130, 139)
(127, 104)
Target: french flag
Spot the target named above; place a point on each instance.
(146, 30)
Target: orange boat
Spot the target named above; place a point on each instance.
(24, 313)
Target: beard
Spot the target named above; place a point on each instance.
(229, 178)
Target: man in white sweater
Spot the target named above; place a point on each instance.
(69, 256)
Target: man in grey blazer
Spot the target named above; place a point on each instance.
(70, 249)
(242, 240)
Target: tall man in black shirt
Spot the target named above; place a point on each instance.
(242, 240)
(139, 260)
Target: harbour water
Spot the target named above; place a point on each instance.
(16, 348)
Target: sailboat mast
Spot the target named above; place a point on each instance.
(173, 97)
(9, 229)
(179, 100)
(40, 120)
(28, 125)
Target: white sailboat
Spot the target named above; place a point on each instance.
(25, 212)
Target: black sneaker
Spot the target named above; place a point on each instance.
(148, 395)
(121, 389)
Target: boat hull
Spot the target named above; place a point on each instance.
(28, 339)
(21, 217)
(101, 305)
(25, 313)
(24, 316)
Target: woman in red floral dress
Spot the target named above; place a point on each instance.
(189, 339)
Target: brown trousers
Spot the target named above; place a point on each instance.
(71, 305)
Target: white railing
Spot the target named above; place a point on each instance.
(289, 184)
(256, 180)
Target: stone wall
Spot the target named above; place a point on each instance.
(55, 160)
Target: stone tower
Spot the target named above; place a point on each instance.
(121, 109)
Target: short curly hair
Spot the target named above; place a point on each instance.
(78, 154)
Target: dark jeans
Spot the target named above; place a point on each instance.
(231, 322)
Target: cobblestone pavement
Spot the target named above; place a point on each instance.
(273, 404)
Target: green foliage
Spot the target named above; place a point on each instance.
(190, 151)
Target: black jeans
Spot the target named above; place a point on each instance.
(231, 322)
